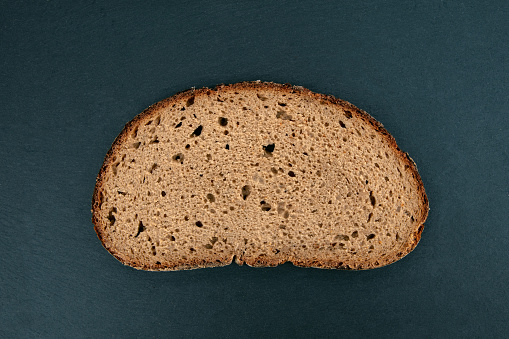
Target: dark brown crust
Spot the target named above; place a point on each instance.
(151, 111)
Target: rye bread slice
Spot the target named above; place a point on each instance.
(262, 173)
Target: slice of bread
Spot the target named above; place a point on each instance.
(261, 173)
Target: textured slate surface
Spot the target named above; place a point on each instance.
(435, 73)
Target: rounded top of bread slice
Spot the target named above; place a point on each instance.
(262, 173)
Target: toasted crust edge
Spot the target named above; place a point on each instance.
(152, 110)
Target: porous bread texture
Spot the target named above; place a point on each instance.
(261, 173)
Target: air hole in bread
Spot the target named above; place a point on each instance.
(163, 193)
(111, 217)
(281, 114)
(227, 146)
(372, 198)
(370, 216)
(178, 125)
(199, 224)
(246, 191)
(269, 148)
(179, 157)
(197, 131)
(265, 206)
(370, 236)
(211, 197)
(342, 124)
(261, 97)
(141, 228)
(291, 173)
(348, 114)
(223, 121)
(342, 237)
(154, 166)
(190, 101)
(114, 168)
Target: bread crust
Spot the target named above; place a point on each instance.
(154, 109)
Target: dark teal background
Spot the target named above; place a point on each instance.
(435, 73)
